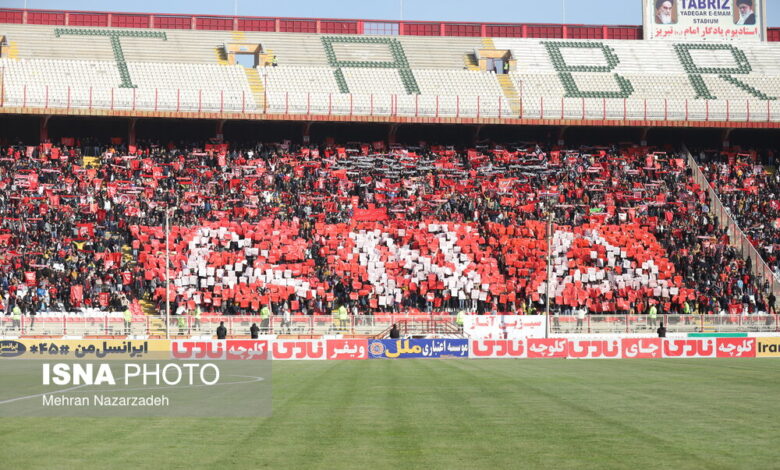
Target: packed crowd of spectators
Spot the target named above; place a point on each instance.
(748, 185)
(311, 229)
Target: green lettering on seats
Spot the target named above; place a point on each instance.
(565, 70)
(399, 61)
(116, 46)
(741, 67)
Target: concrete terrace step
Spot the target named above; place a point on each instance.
(508, 87)
(256, 85)
(148, 307)
(470, 61)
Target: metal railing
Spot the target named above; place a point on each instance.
(634, 324)
(367, 325)
(80, 99)
(737, 238)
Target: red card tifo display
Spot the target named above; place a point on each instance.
(602, 267)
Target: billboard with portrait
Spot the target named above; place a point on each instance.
(705, 20)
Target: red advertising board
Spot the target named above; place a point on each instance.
(736, 347)
(247, 349)
(497, 348)
(704, 347)
(548, 348)
(347, 349)
(641, 348)
(594, 349)
(299, 349)
(232, 349)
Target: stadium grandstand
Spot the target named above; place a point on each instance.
(278, 224)
(313, 165)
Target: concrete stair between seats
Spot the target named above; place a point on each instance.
(256, 85)
(510, 93)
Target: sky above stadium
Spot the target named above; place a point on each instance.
(628, 12)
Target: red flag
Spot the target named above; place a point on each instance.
(86, 230)
(29, 278)
(76, 294)
(370, 215)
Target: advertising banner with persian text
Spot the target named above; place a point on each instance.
(347, 349)
(689, 348)
(641, 348)
(595, 349)
(85, 349)
(497, 348)
(531, 348)
(705, 20)
(505, 326)
(417, 348)
(548, 348)
(231, 349)
(736, 347)
(300, 349)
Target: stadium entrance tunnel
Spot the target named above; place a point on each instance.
(661, 136)
(345, 132)
(575, 135)
(165, 130)
(99, 129)
(264, 131)
(752, 138)
(126, 130)
(19, 128)
(499, 133)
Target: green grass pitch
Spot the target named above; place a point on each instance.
(447, 414)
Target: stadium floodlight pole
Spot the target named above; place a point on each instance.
(167, 274)
(402, 10)
(549, 271)
(563, 8)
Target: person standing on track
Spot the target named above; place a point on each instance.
(128, 317)
(286, 319)
(221, 331)
(343, 316)
(16, 316)
(265, 314)
(459, 319)
(395, 333)
(652, 314)
(182, 323)
(581, 312)
(196, 314)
